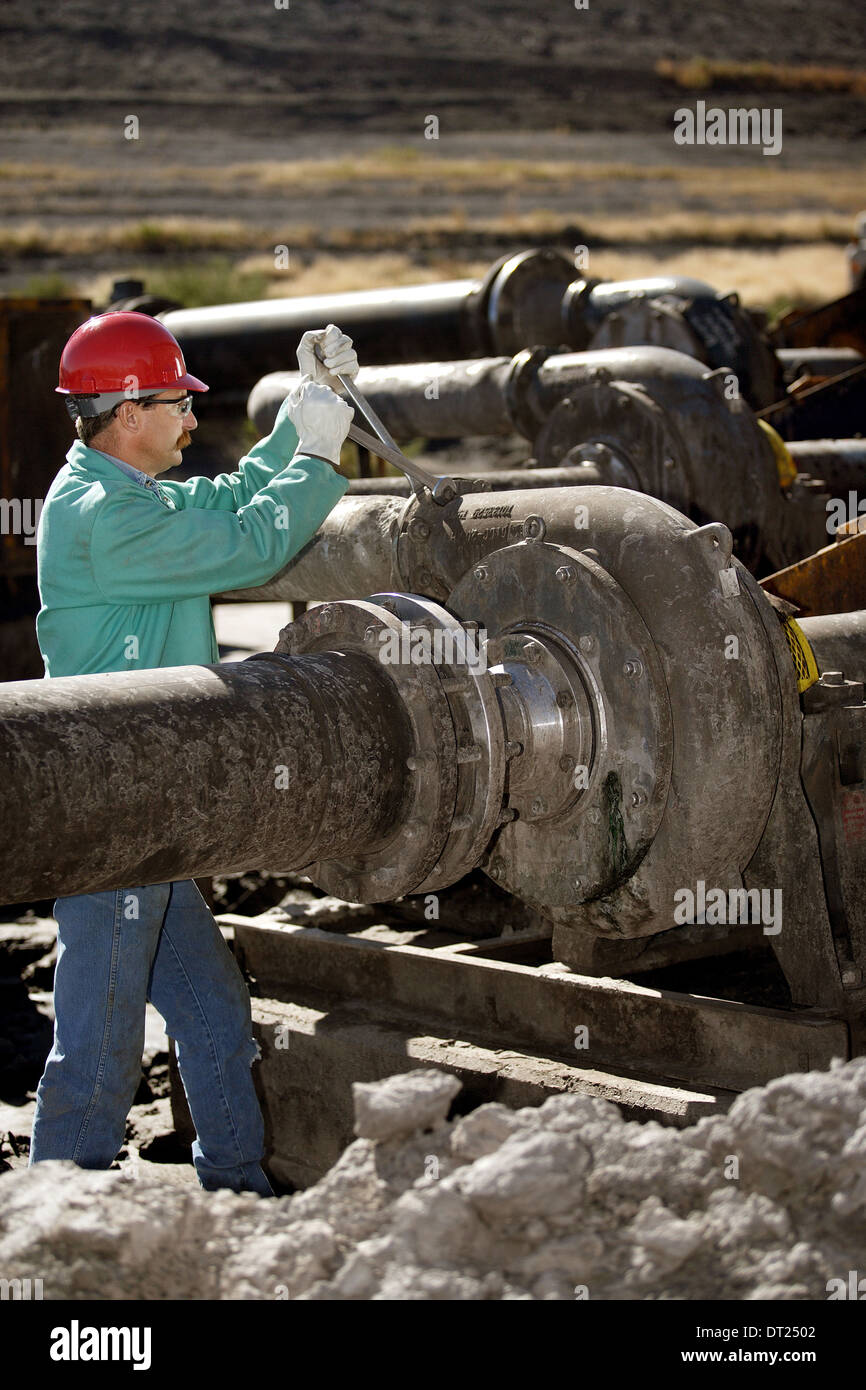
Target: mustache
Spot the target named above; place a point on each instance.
(186, 438)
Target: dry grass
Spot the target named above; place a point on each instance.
(702, 74)
(449, 234)
(838, 188)
(159, 236)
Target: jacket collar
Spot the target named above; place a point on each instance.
(92, 463)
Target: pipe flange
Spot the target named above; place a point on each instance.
(428, 531)
(519, 383)
(424, 819)
(576, 303)
(457, 652)
(524, 303)
(639, 450)
(548, 718)
(639, 321)
(536, 595)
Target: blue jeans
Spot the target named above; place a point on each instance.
(115, 951)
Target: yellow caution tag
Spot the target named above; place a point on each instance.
(785, 465)
(801, 653)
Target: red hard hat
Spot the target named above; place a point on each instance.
(123, 351)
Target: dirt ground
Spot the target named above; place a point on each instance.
(383, 65)
(307, 126)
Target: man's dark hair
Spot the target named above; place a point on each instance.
(88, 427)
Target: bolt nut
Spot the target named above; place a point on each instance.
(324, 613)
(638, 797)
(370, 634)
(564, 699)
(418, 761)
(633, 669)
(567, 763)
(565, 574)
(420, 529)
(495, 870)
(482, 573)
(586, 642)
(539, 806)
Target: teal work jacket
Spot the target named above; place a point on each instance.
(126, 571)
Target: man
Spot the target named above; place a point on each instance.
(126, 568)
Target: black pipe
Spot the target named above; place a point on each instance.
(181, 772)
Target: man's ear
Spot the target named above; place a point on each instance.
(125, 416)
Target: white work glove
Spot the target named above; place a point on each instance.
(321, 418)
(337, 350)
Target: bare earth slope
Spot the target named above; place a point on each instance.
(385, 64)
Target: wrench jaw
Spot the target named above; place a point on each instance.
(442, 490)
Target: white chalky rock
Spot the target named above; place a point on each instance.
(534, 1172)
(483, 1130)
(560, 1201)
(401, 1104)
(667, 1239)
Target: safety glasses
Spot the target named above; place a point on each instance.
(182, 406)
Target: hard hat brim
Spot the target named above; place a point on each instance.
(190, 382)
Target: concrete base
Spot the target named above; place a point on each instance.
(310, 1058)
(331, 1008)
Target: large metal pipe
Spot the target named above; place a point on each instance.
(533, 296)
(838, 641)
(648, 418)
(434, 399)
(233, 344)
(370, 544)
(502, 480)
(498, 395)
(840, 462)
(194, 770)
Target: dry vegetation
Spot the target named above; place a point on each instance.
(703, 74)
(173, 235)
(25, 186)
